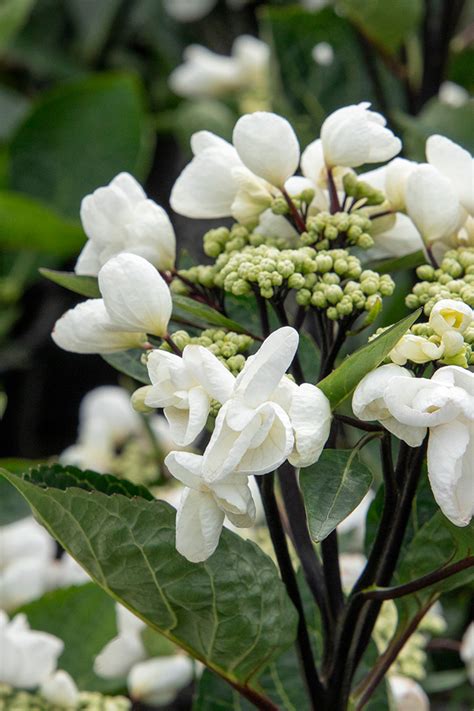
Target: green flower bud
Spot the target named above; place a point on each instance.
(425, 272)
(303, 297)
(324, 263)
(332, 313)
(334, 293)
(296, 281)
(365, 241)
(319, 300)
(279, 206)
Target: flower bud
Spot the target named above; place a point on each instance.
(138, 399)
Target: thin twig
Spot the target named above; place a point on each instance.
(315, 688)
(297, 218)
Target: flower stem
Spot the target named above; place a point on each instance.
(315, 688)
(298, 529)
(297, 218)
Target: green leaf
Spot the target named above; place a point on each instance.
(93, 21)
(13, 506)
(26, 223)
(84, 285)
(387, 24)
(77, 138)
(342, 381)
(184, 307)
(129, 363)
(84, 618)
(332, 488)
(13, 14)
(454, 122)
(231, 612)
(388, 266)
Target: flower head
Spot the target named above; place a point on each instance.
(120, 218)
(136, 301)
(353, 135)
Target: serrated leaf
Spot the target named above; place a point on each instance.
(342, 381)
(79, 284)
(231, 612)
(26, 223)
(84, 618)
(184, 307)
(332, 488)
(129, 363)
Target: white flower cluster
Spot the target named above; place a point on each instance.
(443, 338)
(443, 405)
(264, 419)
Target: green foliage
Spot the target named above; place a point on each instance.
(129, 363)
(13, 14)
(26, 223)
(231, 612)
(332, 488)
(84, 618)
(84, 285)
(65, 149)
(342, 381)
(184, 307)
(454, 122)
(387, 25)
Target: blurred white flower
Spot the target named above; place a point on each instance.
(207, 74)
(453, 94)
(28, 657)
(136, 301)
(323, 54)
(59, 689)
(353, 135)
(119, 218)
(123, 651)
(26, 551)
(466, 652)
(407, 694)
(351, 566)
(192, 10)
(64, 572)
(157, 681)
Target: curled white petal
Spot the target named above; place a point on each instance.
(456, 164)
(157, 681)
(310, 416)
(59, 689)
(432, 203)
(449, 314)
(135, 295)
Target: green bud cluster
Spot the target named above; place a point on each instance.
(14, 700)
(135, 462)
(223, 240)
(349, 228)
(360, 190)
(454, 279)
(229, 347)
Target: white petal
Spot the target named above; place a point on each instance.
(268, 455)
(263, 372)
(59, 689)
(456, 164)
(151, 235)
(187, 424)
(312, 162)
(135, 295)
(450, 470)
(422, 403)
(448, 314)
(267, 145)
(21, 581)
(408, 695)
(119, 656)
(87, 328)
(208, 370)
(310, 416)
(397, 173)
(367, 401)
(432, 203)
(459, 377)
(234, 497)
(204, 74)
(198, 525)
(227, 446)
(128, 624)
(400, 239)
(186, 467)
(157, 681)
(271, 225)
(88, 262)
(206, 187)
(129, 186)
